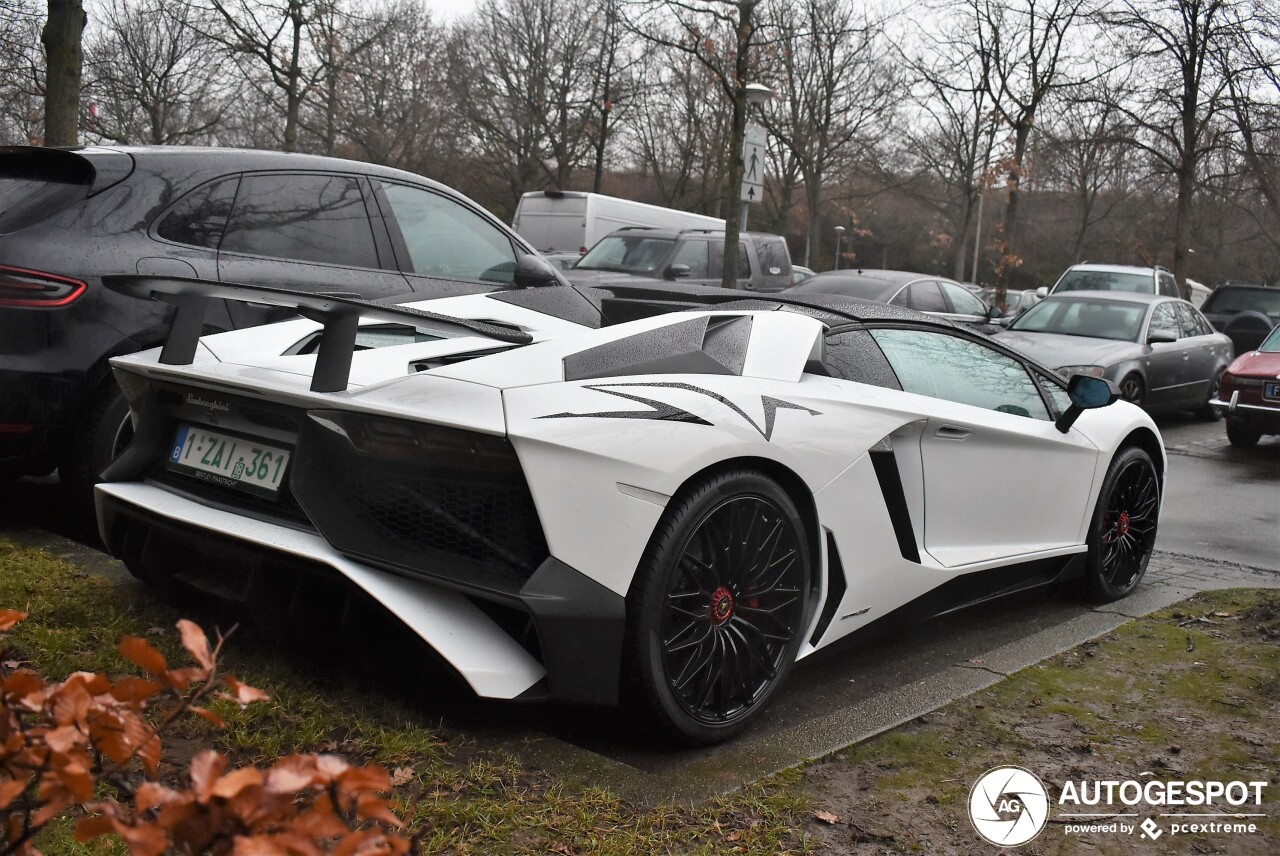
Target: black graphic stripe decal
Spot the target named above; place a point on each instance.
(671, 413)
(886, 467)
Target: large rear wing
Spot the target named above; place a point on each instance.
(340, 315)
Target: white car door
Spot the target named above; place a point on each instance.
(999, 479)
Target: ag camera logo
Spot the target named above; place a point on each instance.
(1008, 806)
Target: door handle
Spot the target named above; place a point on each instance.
(951, 432)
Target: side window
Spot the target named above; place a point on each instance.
(963, 302)
(200, 217)
(1164, 318)
(309, 217)
(925, 296)
(717, 260)
(1169, 285)
(955, 369)
(855, 356)
(446, 239)
(694, 254)
(773, 255)
(1188, 320)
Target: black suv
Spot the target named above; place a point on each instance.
(68, 217)
(690, 256)
(1246, 313)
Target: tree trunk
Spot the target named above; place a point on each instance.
(65, 59)
(733, 208)
(1182, 230)
(1020, 136)
(293, 90)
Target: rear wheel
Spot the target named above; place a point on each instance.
(103, 434)
(717, 610)
(1241, 433)
(1206, 412)
(1123, 531)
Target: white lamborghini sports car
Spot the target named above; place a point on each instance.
(620, 495)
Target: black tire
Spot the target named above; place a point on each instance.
(103, 433)
(718, 607)
(1133, 390)
(1240, 433)
(1122, 533)
(1207, 413)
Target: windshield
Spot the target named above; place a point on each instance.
(1231, 300)
(1271, 344)
(1097, 319)
(1100, 280)
(638, 254)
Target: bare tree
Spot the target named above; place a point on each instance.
(1026, 45)
(519, 74)
(395, 108)
(838, 91)
(21, 71)
(951, 138)
(1086, 149)
(153, 77)
(1176, 49)
(722, 36)
(64, 63)
(678, 132)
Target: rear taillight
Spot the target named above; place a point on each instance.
(32, 288)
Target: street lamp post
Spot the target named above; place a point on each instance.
(839, 235)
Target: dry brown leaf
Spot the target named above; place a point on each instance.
(401, 776)
(826, 817)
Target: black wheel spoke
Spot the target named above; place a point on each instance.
(1126, 532)
(733, 608)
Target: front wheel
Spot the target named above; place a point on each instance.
(1240, 433)
(717, 610)
(1132, 389)
(1122, 533)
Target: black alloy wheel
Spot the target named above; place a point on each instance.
(719, 605)
(1132, 389)
(1123, 532)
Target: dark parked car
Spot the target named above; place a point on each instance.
(69, 217)
(1246, 313)
(1250, 393)
(688, 256)
(934, 295)
(1015, 303)
(1159, 351)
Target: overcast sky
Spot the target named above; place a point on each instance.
(447, 10)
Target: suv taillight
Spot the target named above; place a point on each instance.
(32, 288)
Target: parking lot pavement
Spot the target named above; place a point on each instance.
(865, 685)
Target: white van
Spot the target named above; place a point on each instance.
(572, 221)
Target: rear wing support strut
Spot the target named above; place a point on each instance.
(340, 315)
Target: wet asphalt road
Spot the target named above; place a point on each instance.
(1221, 505)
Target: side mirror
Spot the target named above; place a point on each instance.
(1042, 292)
(676, 271)
(993, 312)
(1156, 337)
(1086, 393)
(535, 271)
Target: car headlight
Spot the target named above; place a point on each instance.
(1091, 371)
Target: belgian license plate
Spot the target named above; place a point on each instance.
(1271, 389)
(228, 461)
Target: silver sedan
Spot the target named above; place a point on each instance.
(1160, 351)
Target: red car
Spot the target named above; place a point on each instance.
(1249, 393)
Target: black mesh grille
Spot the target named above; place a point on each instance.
(439, 502)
